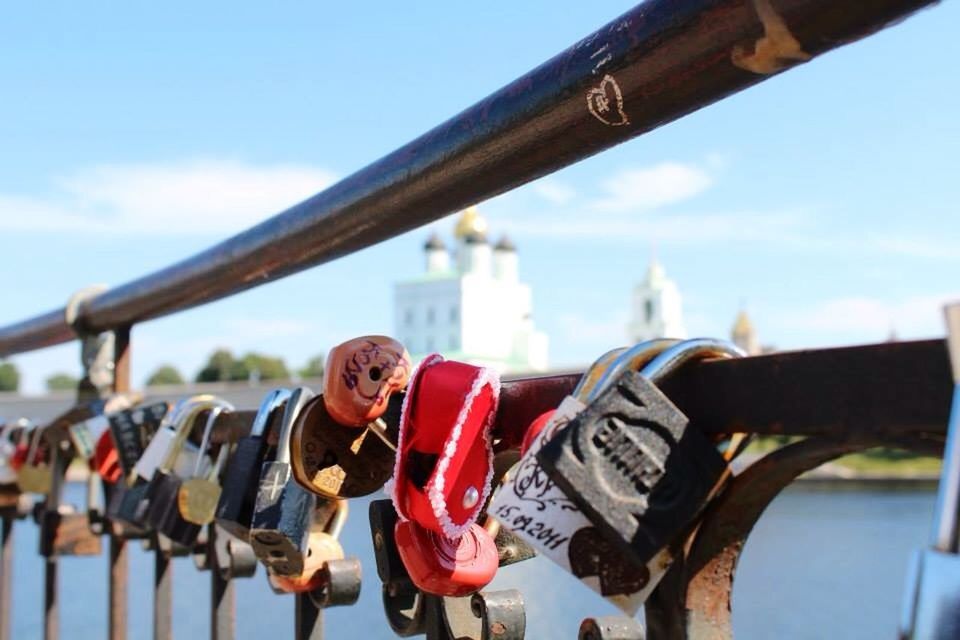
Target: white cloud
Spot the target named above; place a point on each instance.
(672, 229)
(642, 189)
(190, 197)
(553, 191)
(915, 247)
(871, 318)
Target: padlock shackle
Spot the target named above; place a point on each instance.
(631, 359)
(688, 350)
(588, 381)
(35, 436)
(207, 432)
(292, 408)
(272, 402)
(334, 527)
(947, 510)
(185, 414)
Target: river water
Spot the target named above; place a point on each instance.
(823, 562)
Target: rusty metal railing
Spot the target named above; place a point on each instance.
(656, 63)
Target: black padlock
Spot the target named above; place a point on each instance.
(122, 506)
(390, 568)
(132, 429)
(235, 508)
(283, 512)
(162, 497)
(630, 461)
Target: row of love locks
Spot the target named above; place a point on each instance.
(609, 484)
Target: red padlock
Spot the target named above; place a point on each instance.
(534, 430)
(443, 474)
(22, 449)
(443, 566)
(106, 460)
(360, 376)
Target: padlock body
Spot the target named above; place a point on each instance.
(360, 376)
(282, 519)
(383, 523)
(106, 461)
(447, 567)
(322, 548)
(337, 461)
(132, 429)
(67, 535)
(634, 466)
(34, 478)
(531, 506)
(124, 505)
(197, 500)
(163, 511)
(235, 507)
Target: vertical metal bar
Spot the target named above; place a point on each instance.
(119, 557)
(162, 594)
(309, 618)
(51, 622)
(51, 608)
(117, 612)
(6, 575)
(223, 607)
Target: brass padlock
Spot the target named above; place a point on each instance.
(198, 495)
(283, 512)
(337, 461)
(323, 546)
(35, 475)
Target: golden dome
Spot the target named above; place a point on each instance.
(470, 223)
(742, 325)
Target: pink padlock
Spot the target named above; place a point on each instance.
(359, 377)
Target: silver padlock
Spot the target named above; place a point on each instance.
(283, 512)
(931, 608)
(156, 451)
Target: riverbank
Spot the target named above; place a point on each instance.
(877, 465)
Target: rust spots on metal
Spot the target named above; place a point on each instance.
(776, 50)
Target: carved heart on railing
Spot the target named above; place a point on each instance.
(606, 103)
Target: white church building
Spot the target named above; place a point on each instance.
(657, 307)
(471, 305)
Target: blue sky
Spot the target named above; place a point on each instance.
(824, 199)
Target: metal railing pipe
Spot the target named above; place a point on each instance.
(654, 64)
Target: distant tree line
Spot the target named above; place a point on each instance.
(221, 366)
